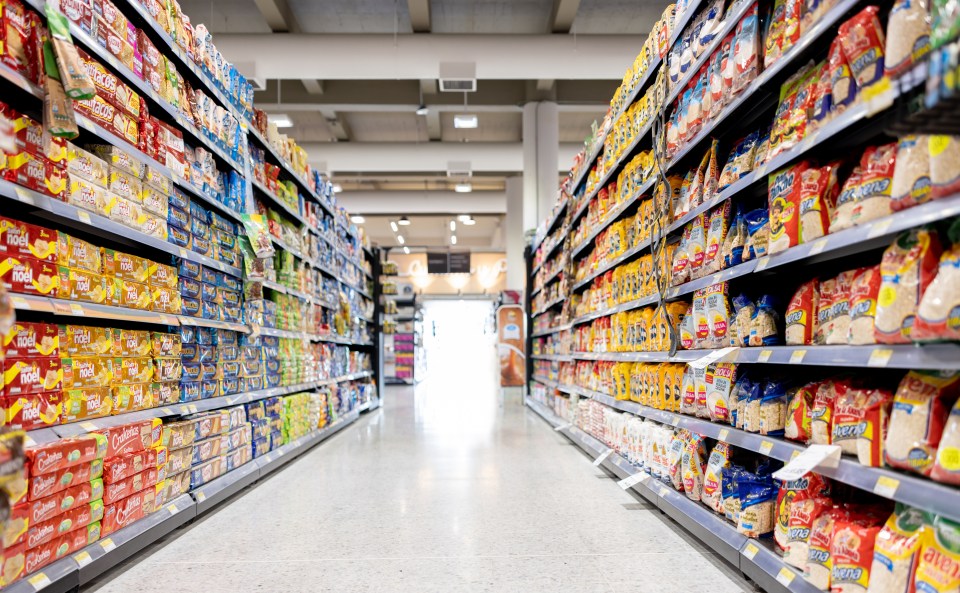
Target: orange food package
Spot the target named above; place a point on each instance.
(19, 239)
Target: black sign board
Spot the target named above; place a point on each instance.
(460, 262)
(437, 263)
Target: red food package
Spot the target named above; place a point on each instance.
(65, 453)
(32, 411)
(800, 527)
(821, 415)
(839, 328)
(122, 467)
(47, 508)
(104, 114)
(862, 40)
(801, 314)
(80, 12)
(851, 551)
(77, 517)
(110, 87)
(13, 564)
(127, 511)
(23, 376)
(746, 50)
(843, 87)
(124, 488)
(15, 527)
(18, 25)
(908, 266)
(784, 203)
(797, 427)
(809, 486)
(847, 201)
(863, 305)
(51, 483)
(132, 437)
(818, 197)
(27, 339)
(877, 165)
(822, 96)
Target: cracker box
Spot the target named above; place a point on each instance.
(110, 87)
(166, 393)
(80, 12)
(133, 370)
(118, 159)
(130, 342)
(206, 450)
(16, 486)
(127, 511)
(211, 424)
(155, 202)
(126, 211)
(85, 372)
(76, 518)
(133, 295)
(48, 507)
(167, 369)
(157, 180)
(81, 285)
(179, 434)
(153, 225)
(82, 340)
(179, 460)
(51, 483)
(16, 53)
(26, 339)
(124, 184)
(31, 411)
(86, 165)
(118, 44)
(130, 398)
(16, 526)
(102, 113)
(207, 471)
(22, 376)
(165, 344)
(13, 564)
(86, 404)
(78, 254)
(42, 176)
(125, 266)
(119, 490)
(29, 276)
(85, 194)
(64, 453)
(161, 275)
(119, 468)
(132, 437)
(19, 239)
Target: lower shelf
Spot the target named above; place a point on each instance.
(755, 558)
(71, 572)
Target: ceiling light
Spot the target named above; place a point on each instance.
(281, 120)
(357, 219)
(393, 226)
(404, 221)
(423, 110)
(453, 225)
(464, 217)
(337, 188)
(465, 121)
(401, 240)
(453, 239)
(406, 250)
(470, 221)
(463, 188)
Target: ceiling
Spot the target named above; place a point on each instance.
(434, 231)
(371, 105)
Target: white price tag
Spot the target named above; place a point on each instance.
(77, 310)
(818, 247)
(880, 357)
(664, 491)
(785, 577)
(83, 217)
(631, 481)
(88, 426)
(796, 357)
(602, 456)
(39, 581)
(108, 545)
(83, 558)
(173, 509)
(724, 434)
(675, 420)
(815, 456)
(715, 356)
(563, 427)
(766, 447)
(886, 486)
(879, 228)
(750, 551)
(20, 303)
(24, 196)
(201, 497)
(762, 264)
(764, 355)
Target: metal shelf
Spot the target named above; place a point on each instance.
(549, 251)
(551, 304)
(220, 489)
(552, 222)
(639, 248)
(547, 332)
(627, 306)
(557, 357)
(553, 276)
(274, 460)
(547, 382)
(612, 217)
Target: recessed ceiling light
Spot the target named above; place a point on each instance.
(463, 188)
(404, 221)
(393, 226)
(465, 122)
(453, 239)
(337, 188)
(453, 225)
(401, 240)
(281, 120)
(406, 250)
(470, 221)
(423, 110)
(357, 219)
(464, 217)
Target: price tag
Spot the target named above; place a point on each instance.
(631, 481)
(563, 427)
(762, 264)
(24, 196)
(675, 420)
(29, 441)
(810, 140)
(604, 455)
(83, 558)
(201, 496)
(108, 545)
(192, 408)
(88, 426)
(886, 486)
(760, 171)
(766, 447)
(83, 217)
(183, 252)
(818, 246)
(77, 310)
(813, 457)
(785, 577)
(20, 303)
(880, 357)
(716, 278)
(764, 355)
(796, 357)
(724, 434)
(750, 551)
(716, 355)
(879, 228)
(173, 509)
(39, 581)
(664, 491)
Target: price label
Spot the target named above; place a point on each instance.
(675, 420)
(88, 426)
(880, 357)
(29, 441)
(192, 408)
(796, 357)
(813, 457)
(24, 196)
(766, 447)
(183, 252)
(20, 303)
(77, 310)
(886, 486)
(173, 509)
(631, 481)
(724, 434)
(879, 96)
(879, 228)
(83, 217)
(664, 491)
(39, 581)
(166, 412)
(785, 577)
(201, 497)
(108, 545)
(762, 264)
(83, 558)
(764, 355)
(750, 551)
(716, 278)
(760, 171)
(818, 246)
(563, 427)
(602, 456)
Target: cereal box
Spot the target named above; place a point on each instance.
(26, 339)
(19, 239)
(31, 375)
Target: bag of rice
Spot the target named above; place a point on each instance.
(720, 378)
(736, 240)
(939, 568)
(946, 469)
(743, 390)
(688, 401)
(843, 87)
(799, 404)
(863, 305)
(765, 325)
(821, 415)
(819, 559)
(751, 408)
(687, 331)
(944, 165)
(938, 316)
(920, 410)
(862, 40)
(846, 419)
(872, 429)
(784, 203)
(799, 525)
(758, 496)
(713, 477)
(758, 225)
(716, 235)
(828, 292)
(801, 314)
(675, 456)
(701, 320)
(911, 174)
(822, 96)
(790, 493)
(839, 329)
(907, 268)
(877, 165)
(746, 52)
(691, 466)
(852, 554)
(847, 201)
(911, 20)
(897, 551)
(740, 161)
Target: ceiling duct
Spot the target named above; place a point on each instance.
(458, 77)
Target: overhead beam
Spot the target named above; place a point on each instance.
(338, 128)
(419, 15)
(278, 15)
(401, 157)
(314, 87)
(417, 57)
(563, 15)
(434, 131)
(371, 203)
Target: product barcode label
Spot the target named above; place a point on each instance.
(201, 497)
(631, 481)
(880, 357)
(796, 357)
(764, 355)
(785, 577)
(602, 456)
(83, 558)
(39, 581)
(77, 310)
(886, 486)
(20, 303)
(750, 551)
(108, 545)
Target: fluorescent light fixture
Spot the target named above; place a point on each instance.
(465, 122)
(463, 188)
(357, 219)
(423, 110)
(453, 239)
(337, 188)
(281, 120)
(406, 250)
(404, 221)
(470, 221)
(401, 240)
(464, 217)
(393, 226)
(453, 225)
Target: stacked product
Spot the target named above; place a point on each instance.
(266, 425)
(300, 415)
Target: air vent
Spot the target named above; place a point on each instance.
(459, 169)
(458, 77)
(453, 85)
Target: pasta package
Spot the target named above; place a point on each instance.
(897, 551)
(801, 314)
(920, 410)
(938, 315)
(862, 40)
(907, 268)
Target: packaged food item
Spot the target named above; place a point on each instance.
(772, 408)
(81, 285)
(746, 51)
(716, 235)
(31, 411)
(697, 244)
(27, 339)
(66, 452)
(86, 165)
(872, 429)
(851, 552)
(799, 405)
(19, 239)
(897, 549)
(29, 276)
(765, 324)
(790, 493)
(802, 513)
(719, 380)
(757, 505)
(713, 477)
(820, 558)
(877, 165)
(907, 268)
(22, 376)
(801, 314)
(843, 86)
(692, 467)
(921, 407)
(86, 372)
(838, 330)
(862, 40)
(87, 195)
(818, 196)
(937, 317)
(84, 404)
(132, 437)
(130, 398)
(911, 174)
(821, 414)
(758, 225)
(863, 305)
(944, 165)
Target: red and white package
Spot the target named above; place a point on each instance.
(801, 314)
(132, 437)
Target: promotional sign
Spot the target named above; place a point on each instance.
(510, 345)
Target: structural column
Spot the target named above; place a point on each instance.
(541, 145)
(515, 227)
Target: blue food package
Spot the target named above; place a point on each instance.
(225, 239)
(765, 329)
(189, 391)
(209, 389)
(253, 317)
(191, 371)
(198, 212)
(201, 245)
(199, 228)
(269, 319)
(272, 380)
(190, 306)
(250, 353)
(222, 224)
(228, 297)
(178, 218)
(208, 275)
(189, 288)
(208, 310)
(260, 447)
(179, 237)
(251, 340)
(231, 314)
(208, 371)
(205, 336)
(251, 368)
(206, 353)
(255, 410)
(208, 292)
(188, 335)
(229, 369)
(230, 282)
(190, 353)
(239, 457)
(226, 337)
(270, 352)
(271, 365)
(188, 269)
(271, 341)
(228, 353)
(252, 383)
(229, 385)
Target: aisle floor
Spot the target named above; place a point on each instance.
(449, 488)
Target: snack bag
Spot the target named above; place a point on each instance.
(911, 174)
(784, 203)
(907, 268)
(921, 407)
(897, 550)
(862, 41)
(801, 314)
(937, 314)
(863, 305)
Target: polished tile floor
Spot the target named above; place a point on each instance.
(451, 487)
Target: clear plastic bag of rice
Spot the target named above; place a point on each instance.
(896, 550)
(872, 430)
(921, 407)
(863, 305)
(907, 268)
(877, 164)
(828, 292)
(938, 316)
(839, 329)
(801, 314)
(743, 315)
(773, 408)
(758, 501)
(946, 469)
(791, 493)
(821, 414)
(911, 175)
(799, 525)
(819, 559)
(944, 165)
(719, 459)
(910, 19)
(847, 201)
(846, 419)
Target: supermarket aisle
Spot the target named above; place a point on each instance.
(434, 494)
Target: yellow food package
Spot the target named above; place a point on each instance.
(82, 340)
(161, 275)
(166, 300)
(133, 295)
(82, 285)
(130, 398)
(85, 372)
(128, 371)
(125, 266)
(939, 567)
(130, 343)
(78, 254)
(84, 404)
(647, 321)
